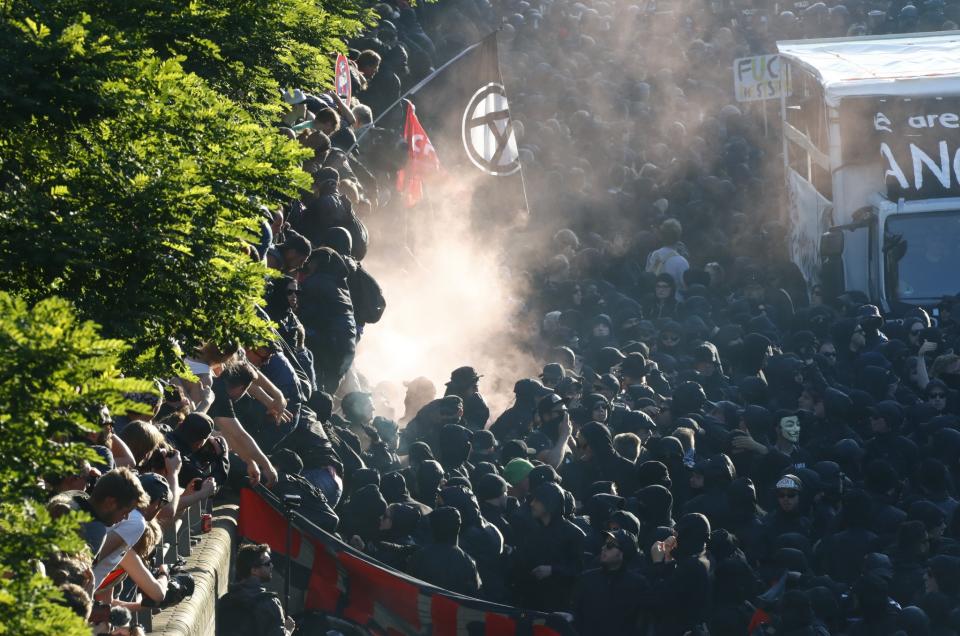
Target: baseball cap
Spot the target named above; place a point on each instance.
(789, 482)
(516, 470)
(156, 487)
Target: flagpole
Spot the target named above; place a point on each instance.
(426, 80)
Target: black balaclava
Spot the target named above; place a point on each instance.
(652, 472)
(656, 506)
(693, 532)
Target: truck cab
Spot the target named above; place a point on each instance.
(871, 149)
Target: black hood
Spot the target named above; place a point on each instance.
(656, 505)
(837, 405)
(753, 390)
(753, 352)
(445, 525)
(454, 445)
(462, 499)
(552, 497)
(429, 476)
(626, 520)
(598, 437)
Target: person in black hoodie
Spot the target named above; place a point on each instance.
(314, 504)
(718, 472)
(849, 340)
(548, 559)
(480, 539)
(597, 461)
(604, 599)
(841, 555)
(887, 444)
(515, 422)
(680, 578)
(443, 563)
(453, 451)
(495, 504)
(327, 313)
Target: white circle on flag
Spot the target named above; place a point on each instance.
(488, 136)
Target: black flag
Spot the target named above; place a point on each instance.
(464, 107)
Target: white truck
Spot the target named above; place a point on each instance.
(871, 149)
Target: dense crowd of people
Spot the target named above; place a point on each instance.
(712, 446)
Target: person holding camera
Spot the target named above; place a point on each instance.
(248, 608)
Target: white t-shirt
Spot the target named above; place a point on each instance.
(196, 367)
(130, 530)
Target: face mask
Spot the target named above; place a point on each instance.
(790, 429)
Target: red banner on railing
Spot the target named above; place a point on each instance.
(346, 583)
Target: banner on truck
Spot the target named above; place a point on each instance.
(916, 140)
(760, 77)
(336, 579)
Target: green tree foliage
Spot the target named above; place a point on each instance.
(55, 373)
(141, 216)
(246, 49)
(135, 158)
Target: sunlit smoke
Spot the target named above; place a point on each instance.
(451, 302)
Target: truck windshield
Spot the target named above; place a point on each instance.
(921, 255)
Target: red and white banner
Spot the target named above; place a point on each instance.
(337, 579)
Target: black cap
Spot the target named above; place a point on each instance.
(484, 440)
(156, 487)
(626, 541)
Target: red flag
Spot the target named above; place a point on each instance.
(344, 85)
(422, 160)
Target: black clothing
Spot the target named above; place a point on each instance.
(446, 566)
(605, 602)
(248, 608)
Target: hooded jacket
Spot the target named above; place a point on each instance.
(443, 563)
(683, 582)
(559, 545)
(480, 539)
(605, 464)
(453, 450)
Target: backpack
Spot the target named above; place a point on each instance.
(236, 613)
(659, 262)
(367, 296)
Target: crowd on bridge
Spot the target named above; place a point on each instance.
(712, 446)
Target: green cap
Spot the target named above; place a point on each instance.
(516, 469)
